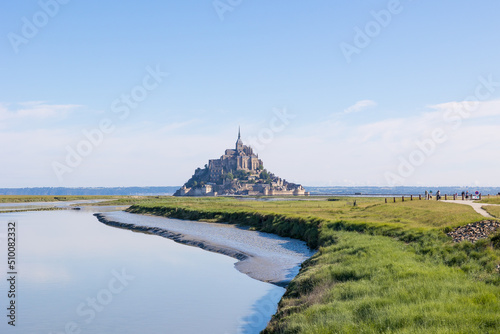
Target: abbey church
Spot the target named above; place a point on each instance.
(238, 172)
(241, 157)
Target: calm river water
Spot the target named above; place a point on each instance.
(77, 275)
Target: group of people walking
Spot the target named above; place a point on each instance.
(428, 195)
(465, 195)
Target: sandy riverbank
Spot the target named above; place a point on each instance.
(263, 256)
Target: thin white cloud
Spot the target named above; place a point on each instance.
(178, 125)
(34, 110)
(360, 105)
(469, 109)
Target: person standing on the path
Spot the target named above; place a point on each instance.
(467, 194)
(438, 195)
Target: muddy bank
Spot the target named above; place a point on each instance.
(263, 256)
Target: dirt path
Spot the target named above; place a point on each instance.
(476, 206)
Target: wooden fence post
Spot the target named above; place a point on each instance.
(411, 197)
(386, 200)
(445, 197)
(394, 199)
(402, 198)
(420, 197)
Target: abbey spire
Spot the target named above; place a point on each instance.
(239, 142)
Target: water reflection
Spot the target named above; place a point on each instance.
(73, 270)
(262, 310)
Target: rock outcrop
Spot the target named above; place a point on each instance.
(475, 231)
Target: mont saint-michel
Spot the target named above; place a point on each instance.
(238, 171)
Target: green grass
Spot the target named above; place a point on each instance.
(30, 198)
(380, 268)
(374, 284)
(128, 200)
(493, 210)
(490, 200)
(30, 210)
(422, 215)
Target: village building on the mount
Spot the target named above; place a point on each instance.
(238, 172)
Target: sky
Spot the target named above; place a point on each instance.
(328, 93)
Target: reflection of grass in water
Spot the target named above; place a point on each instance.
(380, 267)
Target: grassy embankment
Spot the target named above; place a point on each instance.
(380, 268)
(30, 210)
(32, 199)
(493, 210)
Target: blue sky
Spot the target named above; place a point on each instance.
(356, 120)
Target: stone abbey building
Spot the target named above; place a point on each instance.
(238, 172)
(242, 157)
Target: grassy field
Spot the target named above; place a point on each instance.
(491, 200)
(29, 198)
(374, 284)
(381, 267)
(493, 210)
(418, 215)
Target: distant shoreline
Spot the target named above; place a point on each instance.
(314, 191)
